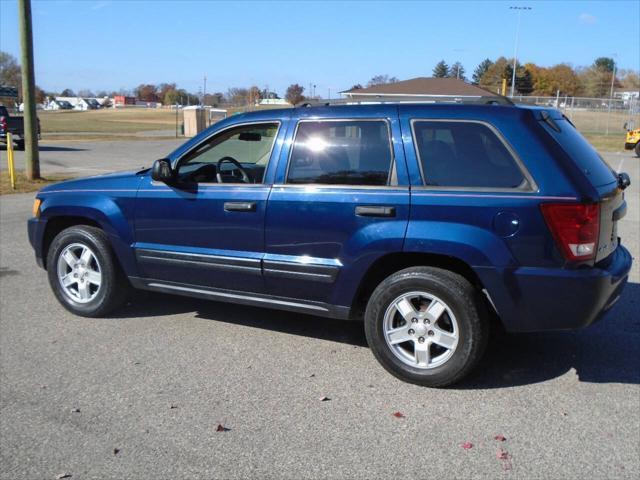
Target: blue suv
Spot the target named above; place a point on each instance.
(426, 221)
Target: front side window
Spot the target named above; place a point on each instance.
(236, 155)
(464, 154)
(350, 152)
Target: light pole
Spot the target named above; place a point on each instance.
(613, 78)
(515, 48)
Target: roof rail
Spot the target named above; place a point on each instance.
(484, 100)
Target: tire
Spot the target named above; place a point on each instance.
(447, 318)
(96, 284)
(20, 145)
(637, 149)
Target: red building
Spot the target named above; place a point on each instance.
(122, 100)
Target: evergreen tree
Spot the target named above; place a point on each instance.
(457, 71)
(481, 70)
(441, 69)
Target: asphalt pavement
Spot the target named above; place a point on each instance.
(141, 395)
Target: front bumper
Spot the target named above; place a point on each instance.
(539, 299)
(35, 230)
(630, 146)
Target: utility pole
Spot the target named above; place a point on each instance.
(613, 78)
(515, 48)
(32, 159)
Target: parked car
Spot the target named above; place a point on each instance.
(13, 125)
(423, 220)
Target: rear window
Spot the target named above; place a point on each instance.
(464, 154)
(581, 152)
(350, 152)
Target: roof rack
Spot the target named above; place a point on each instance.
(484, 100)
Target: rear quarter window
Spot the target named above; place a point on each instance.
(581, 152)
(464, 154)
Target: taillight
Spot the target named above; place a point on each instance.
(575, 228)
(3, 123)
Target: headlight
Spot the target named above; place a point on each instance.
(36, 207)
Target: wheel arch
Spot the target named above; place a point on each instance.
(393, 262)
(111, 220)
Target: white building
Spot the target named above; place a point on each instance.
(80, 103)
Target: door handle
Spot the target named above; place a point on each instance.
(375, 211)
(240, 206)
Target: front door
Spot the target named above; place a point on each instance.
(207, 228)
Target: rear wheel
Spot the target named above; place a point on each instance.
(637, 149)
(424, 326)
(19, 144)
(84, 273)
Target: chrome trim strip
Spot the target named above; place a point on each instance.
(525, 196)
(325, 186)
(238, 297)
(247, 265)
(302, 271)
(531, 187)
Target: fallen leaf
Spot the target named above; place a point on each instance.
(398, 415)
(312, 375)
(173, 406)
(500, 438)
(76, 410)
(222, 428)
(63, 475)
(116, 451)
(467, 445)
(324, 399)
(505, 458)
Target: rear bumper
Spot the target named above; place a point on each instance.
(539, 299)
(35, 230)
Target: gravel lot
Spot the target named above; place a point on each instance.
(155, 381)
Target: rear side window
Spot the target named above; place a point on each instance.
(349, 152)
(581, 152)
(464, 154)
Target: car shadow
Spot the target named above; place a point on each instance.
(606, 352)
(51, 148)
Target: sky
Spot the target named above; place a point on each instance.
(109, 45)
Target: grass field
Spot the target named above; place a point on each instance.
(108, 121)
(23, 185)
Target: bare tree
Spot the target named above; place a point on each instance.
(294, 94)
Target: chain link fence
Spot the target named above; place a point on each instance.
(596, 116)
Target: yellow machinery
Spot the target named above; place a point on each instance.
(632, 141)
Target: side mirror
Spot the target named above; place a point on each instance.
(161, 171)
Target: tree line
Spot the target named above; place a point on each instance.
(531, 79)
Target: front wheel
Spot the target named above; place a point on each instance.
(84, 273)
(637, 149)
(20, 145)
(424, 325)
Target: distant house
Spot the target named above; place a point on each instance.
(420, 89)
(274, 101)
(123, 100)
(55, 104)
(80, 103)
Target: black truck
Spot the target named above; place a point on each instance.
(13, 125)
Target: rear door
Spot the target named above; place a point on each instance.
(340, 200)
